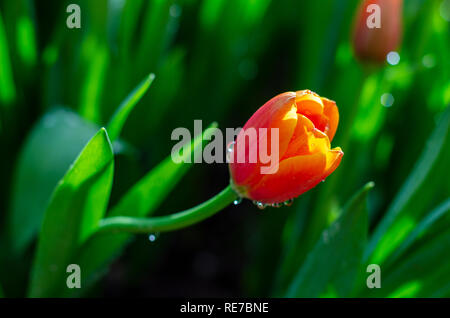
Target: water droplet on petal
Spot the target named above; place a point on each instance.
(237, 201)
(288, 202)
(153, 236)
(277, 205)
(260, 205)
(230, 148)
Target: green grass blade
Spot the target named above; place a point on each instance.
(338, 253)
(432, 218)
(7, 87)
(50, 148)
(142, 199)
(26, 40)
(412, 274)
(90, 101)
(118, 120)
(400, 219)
(152, 42)
(77, 204)
(129, 20)
(165, 90)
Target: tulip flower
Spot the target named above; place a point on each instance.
(372, 39)
(306, 123)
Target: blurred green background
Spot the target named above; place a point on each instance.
(219, 60)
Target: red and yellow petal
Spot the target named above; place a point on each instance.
(295, 176)
(334, 157)
(331, 112)
(279, 112)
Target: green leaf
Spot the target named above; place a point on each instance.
(7, 87)
(431, 218)
(155, 35)
(77, 205)
(142, 199)
(50, 148)
(97, 63)
(421, 187)
(26, 39)
(129, 20)
(165, 90)
(413, 275)
(337, 255)
(118, 120)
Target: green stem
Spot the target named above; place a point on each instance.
(170, 222)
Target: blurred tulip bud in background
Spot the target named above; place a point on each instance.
(377, 29)
(306, 123)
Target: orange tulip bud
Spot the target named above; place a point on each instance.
(305, 124)
(378, 29)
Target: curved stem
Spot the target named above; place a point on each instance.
(170, 222)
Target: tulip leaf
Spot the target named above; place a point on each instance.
(141, 200)
(415, 273)
(341, 245)
(50, 148)
(77, 205)
(96, 66)
(7, 87)
(415, 194)
(431, 218)
(118, 120)
(155, 20)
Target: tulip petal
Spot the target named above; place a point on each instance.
(334, 157)
(311, 105)
(306, 139)
(331, 112)
(308, 103)
(319, 142)
(279, 112)
(299, 142)
(295, 176)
